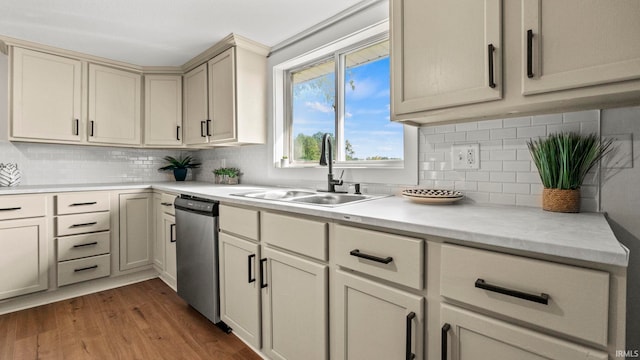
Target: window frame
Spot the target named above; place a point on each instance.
(338, 55)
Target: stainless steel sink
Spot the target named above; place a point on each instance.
(309, 197)
(331, 199)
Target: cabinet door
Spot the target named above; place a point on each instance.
(196, 113)
(46, 96)
(438, 63)
(23, 259)
(469, 336)
(374, 321)
(295, 307)
(599, 46)
(136, 241)
(240, 287)
(114, 106)
(170, 268)
(159, 234)
(222, 96)
(163, 110)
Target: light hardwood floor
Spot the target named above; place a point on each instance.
(144, 321)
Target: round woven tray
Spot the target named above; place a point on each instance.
(432, 193)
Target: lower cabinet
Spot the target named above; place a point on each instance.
(375, 321)
(295, 305)
(136, 240)
(470, 336)
(164, 243)
(169, 240)
(23, 259)
(240, 287)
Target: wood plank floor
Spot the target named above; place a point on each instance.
(143, 321)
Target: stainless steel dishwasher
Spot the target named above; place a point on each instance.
(197, 255)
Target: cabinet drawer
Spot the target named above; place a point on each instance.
(82, 223)
(23, 206)
(81, 246)
(82, 202)
(73, 271)
(239, 221)
(166, 200)
(391, 257)
(577, 298)
(306, 237)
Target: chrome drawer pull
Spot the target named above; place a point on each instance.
(87, 244)
(11, 209)
(85, 224)
(86, 268)
(541, 299)
(357, 253)
(84, 203)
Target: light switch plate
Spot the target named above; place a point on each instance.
(465, 156)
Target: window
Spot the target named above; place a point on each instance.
(345, 93)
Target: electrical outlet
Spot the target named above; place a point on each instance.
(465, 156)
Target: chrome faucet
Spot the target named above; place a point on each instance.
(326, 147)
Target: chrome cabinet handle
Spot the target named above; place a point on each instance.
(357, 253)
(540, 299)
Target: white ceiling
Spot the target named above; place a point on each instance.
(159, 32)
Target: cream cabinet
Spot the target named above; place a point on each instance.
(164, 242)
(83, 239)
(136, 230)
(225, 99)
(375, 321)
(295, 303)
(114, 106)
(554, 56)
(163, 110)
(196, 113)
(23, 259)
(466, 335)
(557, 57)
(439, 63)
(240, 266)
(46, 97)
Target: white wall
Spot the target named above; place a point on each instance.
(620, 199)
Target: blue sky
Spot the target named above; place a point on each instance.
(367, 124)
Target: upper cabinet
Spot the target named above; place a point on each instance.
(437, 62)
(225, 98)
(601, 48)
(46, 97)
(163, 110)
(114, 106)
(469, 60)
(217, 98)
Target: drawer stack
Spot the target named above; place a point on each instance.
(83, 237)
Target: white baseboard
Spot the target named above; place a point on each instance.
(75, 290)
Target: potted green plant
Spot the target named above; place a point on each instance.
(180, 166)
(227, 176)
(563, 161)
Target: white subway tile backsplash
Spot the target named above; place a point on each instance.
(498, 134)
(515, 188)
(434, 156)
(503, 177)
(490, 124)
(532, 132)
(517, 144)
(434, 139)
(467, 126)
(516, 165)
(503, 199)
(478, 135)
(516, 122)
(477, 176)
(465, 185)
(490, 187)
(581, 116)
(568, 127)
(529, 200)
(439, 129)
(503, 155)
(590, 127)
(454, 175)
(455, 136)
(528, 177)
(546, 119)
(490, 166)
(477, 197)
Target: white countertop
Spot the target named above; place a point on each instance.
(583, 236)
